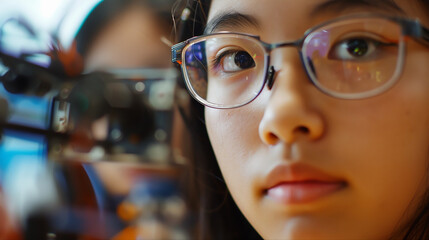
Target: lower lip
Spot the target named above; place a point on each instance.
(303, 192)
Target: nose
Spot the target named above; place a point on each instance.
(290, 113)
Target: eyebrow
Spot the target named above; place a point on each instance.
(230, 20)
(341, 5)
(237, 20)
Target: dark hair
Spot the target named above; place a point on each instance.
(417, 227)
(218, 215)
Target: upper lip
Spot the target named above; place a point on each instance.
(298, 173)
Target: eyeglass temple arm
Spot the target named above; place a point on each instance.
(425, 35)
(417, 31)
(176, 52)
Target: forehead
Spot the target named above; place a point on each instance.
(269, 14)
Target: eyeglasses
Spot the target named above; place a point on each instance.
(351, 57)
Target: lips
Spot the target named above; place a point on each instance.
(297, 184)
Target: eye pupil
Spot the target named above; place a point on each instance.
(243, 60)
(357, 47)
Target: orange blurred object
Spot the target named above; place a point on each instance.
(128, 211)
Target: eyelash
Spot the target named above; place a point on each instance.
(216, 61)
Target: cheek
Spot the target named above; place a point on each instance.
(389, 171)
(234, 138)
(227, 129)
(387, 131)
(381, 145)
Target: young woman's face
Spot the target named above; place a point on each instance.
(303, 165)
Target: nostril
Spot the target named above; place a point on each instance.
(271, 138)
(302, 129)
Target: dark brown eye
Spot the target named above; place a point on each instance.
(243, 60)
(357, 47)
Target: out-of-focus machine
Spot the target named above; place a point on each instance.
(53, 115)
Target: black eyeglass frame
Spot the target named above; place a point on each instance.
(409, 27)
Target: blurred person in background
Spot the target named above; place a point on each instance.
(116, 34)
(124, 34)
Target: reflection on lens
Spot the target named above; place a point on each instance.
(354, 58)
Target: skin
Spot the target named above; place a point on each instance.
(378, 146)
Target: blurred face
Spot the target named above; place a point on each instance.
(303, 165)
(132, 40)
